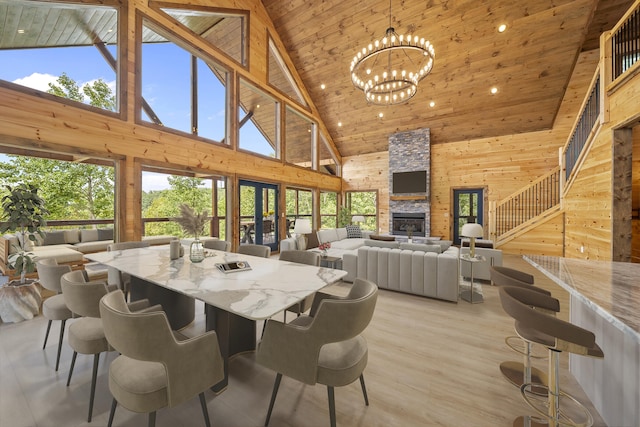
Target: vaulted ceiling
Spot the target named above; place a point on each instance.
(530, 63)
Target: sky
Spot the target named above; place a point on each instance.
(167, 89)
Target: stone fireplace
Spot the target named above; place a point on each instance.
(409, 152)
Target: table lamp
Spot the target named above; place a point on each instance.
(472, 230)
(302, 227)
(357, 219)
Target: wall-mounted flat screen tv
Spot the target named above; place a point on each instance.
(409, 182)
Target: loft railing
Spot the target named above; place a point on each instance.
(583, 128)
(528, 203)
(625, 44)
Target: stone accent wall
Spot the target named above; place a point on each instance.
(411, 151)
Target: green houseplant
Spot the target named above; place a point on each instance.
(193, 223)
(23, 212)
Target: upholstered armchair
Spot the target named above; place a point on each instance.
(54, 307)
(169, 367)
(300, 257)
(255, 250)
(115, 276)
(325, 347)
(218, 245)
(86, 334)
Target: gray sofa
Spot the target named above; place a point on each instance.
(424, 272)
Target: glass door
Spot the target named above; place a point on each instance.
(467, 207)
(259, 214)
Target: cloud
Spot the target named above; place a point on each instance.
(37, 81)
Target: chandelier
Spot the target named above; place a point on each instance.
(388, 70)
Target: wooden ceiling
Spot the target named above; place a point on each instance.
(530, 63)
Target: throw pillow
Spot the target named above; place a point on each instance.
(90, 235)
(312, 240)
(54, 238)
(353, 232)
(105, 233)
(301, 243)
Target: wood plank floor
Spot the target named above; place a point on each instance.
(431, 363)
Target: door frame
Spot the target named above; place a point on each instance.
(482, 211)
(258, 210)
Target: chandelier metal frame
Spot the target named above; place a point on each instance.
(388, 70)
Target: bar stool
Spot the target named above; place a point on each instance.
(557, 336)
(518, 373)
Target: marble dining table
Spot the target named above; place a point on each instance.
(605, 299)
(233, 301)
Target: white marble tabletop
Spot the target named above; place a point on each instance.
(267, 289)
(612, 289)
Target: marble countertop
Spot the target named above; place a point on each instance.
(267, 289)
(610, 288)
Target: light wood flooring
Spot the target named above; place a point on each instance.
(431, 363)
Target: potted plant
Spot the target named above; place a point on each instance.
(193, 224)
(23, 212)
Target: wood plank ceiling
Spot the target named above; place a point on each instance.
(530, 63)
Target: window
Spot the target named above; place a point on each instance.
(364, 203)
(51, 40)
(76, 193)
(281, 78)
(299, 204)
(328, 209)
(226, 31)
(164, 191)
(327, 162)
(300, 137)
(190, 96)
(258, 121)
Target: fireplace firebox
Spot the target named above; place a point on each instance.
(404, 222)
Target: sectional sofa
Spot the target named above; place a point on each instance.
(430, 270)
(66, 246)
(410, 268)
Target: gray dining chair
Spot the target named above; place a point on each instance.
(53, 307)
(325, 347)
(86, 335)
(255, 250)
(218, 245)
(115, 276)
(300, 257)
(169, 367)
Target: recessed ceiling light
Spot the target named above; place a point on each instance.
(323, 86)
(339, 124)
(20, 31)
(494, 90)
(381, 114)
(502, 28)
(432, 104)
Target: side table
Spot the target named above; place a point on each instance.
(331, 262)
(470, 295)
